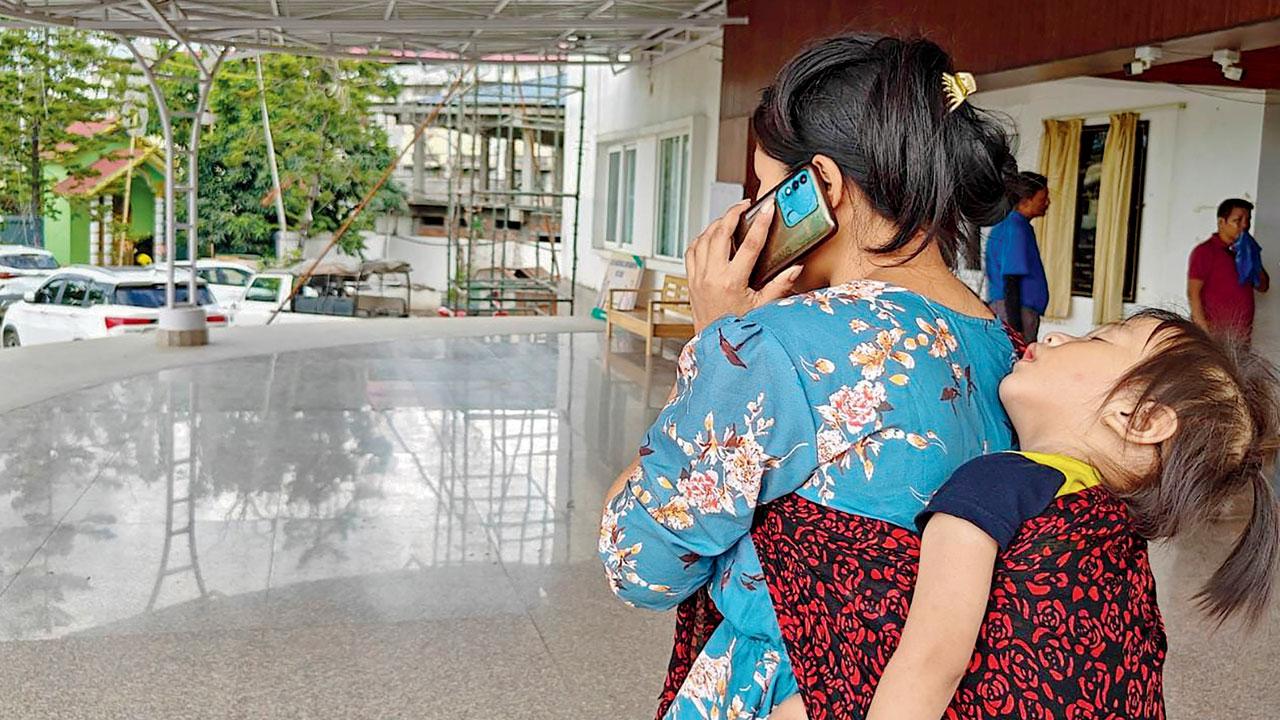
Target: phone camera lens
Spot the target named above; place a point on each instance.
(787, 191)
(804, 179)
(795, 185)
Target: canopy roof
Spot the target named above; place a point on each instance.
(407, 30)
(349, 266)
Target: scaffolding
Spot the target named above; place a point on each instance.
(505, 175)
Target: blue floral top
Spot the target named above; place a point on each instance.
(862, 397)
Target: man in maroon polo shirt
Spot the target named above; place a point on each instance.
(1219, 301)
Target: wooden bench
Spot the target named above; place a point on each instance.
(668, 316)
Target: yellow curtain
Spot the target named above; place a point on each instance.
(1113, 218)
(1060, 164)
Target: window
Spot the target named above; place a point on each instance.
(645, 190)
(98, 294)
(231, 276)
(152, 296)
(673, 195)
(31, 261)
(225, 276)
(621, 198)
(1093, 140)
(75, 292)
(611, 217)
(49, 293)
(628, 195)
(264, 289)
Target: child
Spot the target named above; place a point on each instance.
(1151, 410)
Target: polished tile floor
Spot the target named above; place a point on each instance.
(394, 530)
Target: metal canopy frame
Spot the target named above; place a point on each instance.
(615, 31)
(452, 32)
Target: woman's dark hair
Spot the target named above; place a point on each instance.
(876, 106)
(1228, 433)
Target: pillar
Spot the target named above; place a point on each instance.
(419, 167)
(1266, 225)
(528, 173)
(484, 162)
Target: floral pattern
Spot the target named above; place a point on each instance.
(832, 396)
(708, 694)
(1094, 654)
(849, 411)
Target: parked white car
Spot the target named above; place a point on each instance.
(22, 269)
(268, 290)
(80, 303)
(227, 280)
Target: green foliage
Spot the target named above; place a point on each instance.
(49, 79)
(328, 152)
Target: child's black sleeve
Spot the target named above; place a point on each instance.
(997, 493)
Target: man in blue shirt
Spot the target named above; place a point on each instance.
(1016, 285)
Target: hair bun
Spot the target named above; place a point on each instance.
(877, 106)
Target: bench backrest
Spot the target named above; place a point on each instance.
(675, 289)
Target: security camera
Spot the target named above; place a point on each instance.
(1228, 60)
(1148, 54)
(1226, 56)
(1143, 58)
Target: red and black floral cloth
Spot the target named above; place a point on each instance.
(1072, 628)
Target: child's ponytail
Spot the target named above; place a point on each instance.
(1245, 579)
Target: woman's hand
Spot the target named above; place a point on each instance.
(718, 285)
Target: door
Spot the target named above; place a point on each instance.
(66, 317)
(35, 328)
(232, 282)
(261, 299)
(92, 320)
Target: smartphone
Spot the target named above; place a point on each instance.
(802, 219)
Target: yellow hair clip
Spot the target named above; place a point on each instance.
(958, 88)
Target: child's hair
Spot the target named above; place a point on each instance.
(1224, 397)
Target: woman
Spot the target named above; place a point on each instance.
(861, 394)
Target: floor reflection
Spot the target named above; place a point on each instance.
(294, 535)
(240, 479)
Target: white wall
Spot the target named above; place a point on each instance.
(619, 105)
(1197, 156)
(1205, 144)
(1266, 226)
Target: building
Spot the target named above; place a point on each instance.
(90, 194)
(658, 138)
(484, 183)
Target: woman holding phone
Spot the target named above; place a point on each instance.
(855, 381)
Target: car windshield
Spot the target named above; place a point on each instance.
(152, 296)
(263, 289)
(32, 261)
(239, 278)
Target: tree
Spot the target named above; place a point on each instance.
(328, 151)
(50, 78)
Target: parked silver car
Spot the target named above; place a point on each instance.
(22, 269)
